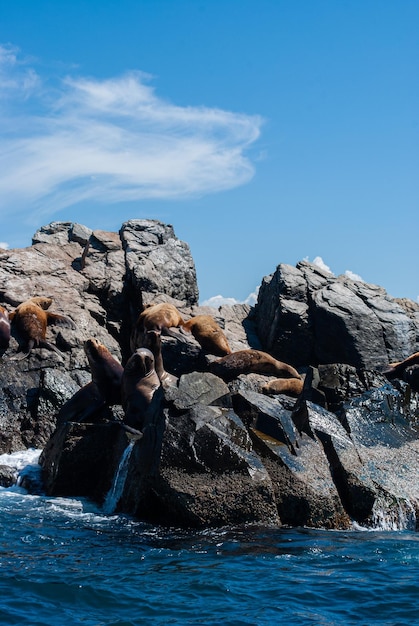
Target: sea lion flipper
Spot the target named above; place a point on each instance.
(19, 356)
(49, 346)
(57, 319)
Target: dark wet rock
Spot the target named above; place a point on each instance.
(209, 475)
(81, 459)
(339, 382)
(7, 476)
(200, 388)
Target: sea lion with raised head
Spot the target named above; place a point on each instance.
(103, 390)
(208, 334)
(251, 361)
(289, 386)
(152, 341)
(4, 328)
(106, 370)
(162, 317)
(141, 391)
(31, 319)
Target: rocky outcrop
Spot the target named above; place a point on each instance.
(217, 453)
(306, 315)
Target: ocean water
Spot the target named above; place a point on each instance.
(64, 561)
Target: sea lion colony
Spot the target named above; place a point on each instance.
(138, 386)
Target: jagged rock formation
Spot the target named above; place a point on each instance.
(217, 453)
(306, 315)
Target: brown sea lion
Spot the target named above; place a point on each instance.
(152, 341)
(4, 328)
(208, 334)
(290, 386)
(162, 317)
(250, 361)
(106, 370)
(141, 392)
(31, 318)
(103, 390)
(82, 405)
(395, 370)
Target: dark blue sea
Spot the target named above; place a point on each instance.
(63, 561)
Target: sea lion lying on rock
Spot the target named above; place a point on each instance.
(250, 361)
(289, 386)
(162, 317)
(208, 334)
(32, 318)
(141, 392)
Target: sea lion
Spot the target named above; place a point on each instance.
(106, 370)
(141, 391)
(162, 317)
(250, 361)
(290, 386)
(82, 405)
(103, 390)
(208, 334)
(31, 319)
(395, 370)
(152, 341)
(4, 328)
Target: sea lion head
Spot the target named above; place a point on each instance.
(94, 349)
(43, 302)
(141, 363)
(99, 356)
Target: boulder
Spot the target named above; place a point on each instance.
(307, 316)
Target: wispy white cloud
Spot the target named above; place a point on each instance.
(4, 245)
(110, 140)
(15, 75)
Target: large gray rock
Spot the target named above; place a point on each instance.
(306, 315)
(158, 262)
(209, 475)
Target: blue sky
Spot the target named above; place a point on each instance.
(265, 131)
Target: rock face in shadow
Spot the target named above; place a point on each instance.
(346, 450)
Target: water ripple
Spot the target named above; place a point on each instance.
(63, 561)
